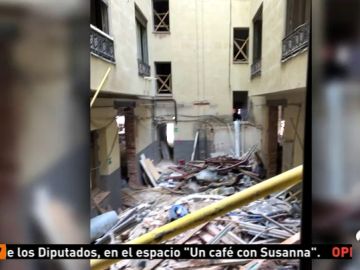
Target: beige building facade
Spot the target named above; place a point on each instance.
(178, 71)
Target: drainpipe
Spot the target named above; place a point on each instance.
(237, 138)
(155, 101)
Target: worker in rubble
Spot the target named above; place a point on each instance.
(236, 115)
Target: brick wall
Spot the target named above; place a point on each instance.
(132, 161)
(272, 141)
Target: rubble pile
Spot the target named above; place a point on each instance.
(188, 187)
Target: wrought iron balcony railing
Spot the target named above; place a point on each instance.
(143, 68)
(101, 44)
(296, 41)
(256, 68)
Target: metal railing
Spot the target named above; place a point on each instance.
(143, 68)
(255, 68)
(295, 41)
(101, 44)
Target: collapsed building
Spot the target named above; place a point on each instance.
(179, 70)
(179, 82)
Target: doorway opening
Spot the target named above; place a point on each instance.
(127, 142)
(166, 140)
(240, 105)
(276, 139)
(120, 121)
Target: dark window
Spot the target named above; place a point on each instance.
(161, 16)
(297, 13)
(241, 45)
(141, 35)
(240, 105)
(257, 25)
(99, 15)
(163, 76)
(142, 43)
(257, 44)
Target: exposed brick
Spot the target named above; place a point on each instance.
(272, 141)
(131, 146)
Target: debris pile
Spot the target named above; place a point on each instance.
(222, 175)
(267, 221)
(185, 188)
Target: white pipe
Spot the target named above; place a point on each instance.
(242, 134)
(237, 138)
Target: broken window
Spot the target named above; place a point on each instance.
(142, 43)
(241, 45)
(297, 13)
(161, 16)
(163, 77)
(99, 15)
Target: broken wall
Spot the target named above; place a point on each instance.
(201, 72)
(224, 138)
(108, 154)
(294, 116)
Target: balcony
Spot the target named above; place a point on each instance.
(143, 68)
(255, 69)
(101, 44)
(296, 41)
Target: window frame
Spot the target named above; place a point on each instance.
(299, 8)
(257, 38)
(101, 16)
(160, 16)
(163, 81)
(142, 43)
(246, 43)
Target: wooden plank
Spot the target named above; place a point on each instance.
(233, 237)
(97, 206)
(290, 241)
(147, 171)
(152, 169)
(99, 197)
(194, 146)
(206, 264)
(207, 237)
(214, 231)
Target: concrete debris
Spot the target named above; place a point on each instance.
(207, 175)
(185, 188)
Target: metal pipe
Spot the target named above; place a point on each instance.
(278, 224)
(216, 238)
(212, 211)
(237, 138)
(155, 100)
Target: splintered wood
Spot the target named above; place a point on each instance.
(199, 183)
(150, 170)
